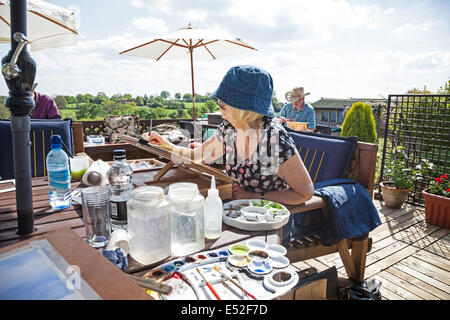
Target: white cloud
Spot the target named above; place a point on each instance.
(389, 11)
(151, 24)
(407, 27)
(137, 3)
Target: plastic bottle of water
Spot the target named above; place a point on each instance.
(121, 186)
(58, 175)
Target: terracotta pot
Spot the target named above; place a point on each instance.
(437, 209)
(393, 198)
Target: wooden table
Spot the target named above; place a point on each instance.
(45, 220)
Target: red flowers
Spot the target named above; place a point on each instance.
(440, 186)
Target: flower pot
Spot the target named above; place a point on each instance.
(393, 198)
(437, 209)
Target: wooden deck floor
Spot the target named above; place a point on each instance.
(409, 256)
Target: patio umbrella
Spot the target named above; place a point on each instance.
(42, 25)
(49, 26)
(189, 43)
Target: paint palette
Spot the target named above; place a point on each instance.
(255, 215)
(236, 262)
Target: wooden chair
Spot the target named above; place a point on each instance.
(361, 169)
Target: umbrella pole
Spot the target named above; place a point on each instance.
(20, 102)
(193, 91)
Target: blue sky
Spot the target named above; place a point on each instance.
(339, 49)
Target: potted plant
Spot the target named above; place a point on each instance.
(402, 178)
(437, 202)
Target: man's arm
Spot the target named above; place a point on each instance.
(312, 120)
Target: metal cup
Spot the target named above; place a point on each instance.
(96, 212)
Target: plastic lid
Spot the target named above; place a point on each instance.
(148, 193)
(55, 141)
(183, 189)
(119, 154)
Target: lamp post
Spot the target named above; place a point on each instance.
(19, 71)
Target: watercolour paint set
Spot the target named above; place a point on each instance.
(251, 271)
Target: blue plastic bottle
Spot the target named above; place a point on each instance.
(58, 175)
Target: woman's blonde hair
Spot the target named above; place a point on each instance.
(244, 116)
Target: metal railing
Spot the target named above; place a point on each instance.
(421, 124)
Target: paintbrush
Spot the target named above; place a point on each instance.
(234, 282)
(208, 284)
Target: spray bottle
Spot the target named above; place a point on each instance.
(213, 212)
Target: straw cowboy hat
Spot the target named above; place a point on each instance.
(296, 94)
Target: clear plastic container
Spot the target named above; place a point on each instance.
(187, 223)
(148, 225)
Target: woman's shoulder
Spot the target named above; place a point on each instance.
(274, 123)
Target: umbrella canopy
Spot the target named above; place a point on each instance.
(189, 43)
(49, 26)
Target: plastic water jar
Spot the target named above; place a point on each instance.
(187, 224)
(148, 225)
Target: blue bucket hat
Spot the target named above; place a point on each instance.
(247, 88)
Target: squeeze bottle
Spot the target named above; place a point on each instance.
(213, 212)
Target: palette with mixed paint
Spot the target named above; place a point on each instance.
(255, 214)
(254, 270)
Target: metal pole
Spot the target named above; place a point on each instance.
(19, 79)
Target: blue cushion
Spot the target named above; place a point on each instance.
(41, 131)
(325, 157)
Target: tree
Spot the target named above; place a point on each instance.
(211, 105)
(139, 101)
(187, 97)
(275, 103)
(359, 122)
(83, 111)
(80, 98)
(178, 96)
(60, 102)
(165, 94)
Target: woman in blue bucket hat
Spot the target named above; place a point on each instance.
(257, 150)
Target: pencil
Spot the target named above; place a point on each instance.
(208, 284)
(234, 282)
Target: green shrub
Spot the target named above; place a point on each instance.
(359, 122)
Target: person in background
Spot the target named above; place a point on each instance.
(298, 110)
(45, 107)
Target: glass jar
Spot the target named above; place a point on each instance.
(148, 225)
(187, 225)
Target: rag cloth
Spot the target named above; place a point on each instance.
(117, 257)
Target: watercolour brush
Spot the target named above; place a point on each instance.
(234, 282)
(208, 284)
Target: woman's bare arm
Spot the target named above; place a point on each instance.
(210, 150)
(294, 173)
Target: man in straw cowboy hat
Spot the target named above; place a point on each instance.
(298, 110)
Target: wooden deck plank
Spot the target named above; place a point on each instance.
(438, 286)
(416, 286)
(428, 269)
(391, 283)
(434, 259)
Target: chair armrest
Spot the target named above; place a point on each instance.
(312, 204)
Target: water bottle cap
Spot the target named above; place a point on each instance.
(55, 141)
(119, 154)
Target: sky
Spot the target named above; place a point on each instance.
(332, 48)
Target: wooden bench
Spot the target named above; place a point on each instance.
(361, 169)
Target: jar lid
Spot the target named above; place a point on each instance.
(119, 154)
(148, 193)
(183, 189)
